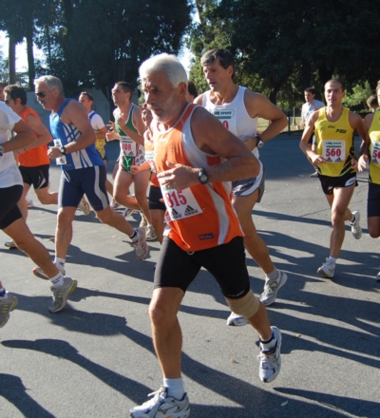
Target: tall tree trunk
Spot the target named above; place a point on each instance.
(29, 47)
(12, 59)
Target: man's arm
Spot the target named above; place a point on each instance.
(24, 137)
(259, 105)
(40, 129)
(314, 158)
(212, 137)
(356, 123)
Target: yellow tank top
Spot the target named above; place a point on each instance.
(335, 141)
(374, 149)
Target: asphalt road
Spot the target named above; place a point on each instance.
(96, 358)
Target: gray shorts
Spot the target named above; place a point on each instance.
(249, 186)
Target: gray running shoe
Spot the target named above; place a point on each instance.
(236, 320)
(7, 305)
(327, 269)
(270, 363)
(61, 293)
(150, 233)
(272, 287)
(143, 222)
(38, 272)
(356, 229)
(163, 406)
(10, 244)
(84, 206)
(140, 244)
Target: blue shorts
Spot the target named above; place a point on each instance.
(90, 181)
(249, 186)
(373, 206)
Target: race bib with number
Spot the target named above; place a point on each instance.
(180, 204)
(375, 154)
(227, 117)
(334, 150)
(128, 146)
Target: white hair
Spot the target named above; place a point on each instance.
(51, 82)
(167, 63)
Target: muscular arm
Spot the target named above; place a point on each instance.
(212, 137)
(362, 128)
(305, 146)
(25, 136)
(259, 105)
(40, 129)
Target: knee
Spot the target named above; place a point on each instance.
(107, 218)
(246, 306)
(141, 198)
(160, 314)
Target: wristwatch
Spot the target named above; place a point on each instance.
(1, 150)
(260, 142)
(62, 150)
(202, 176)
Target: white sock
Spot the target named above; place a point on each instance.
(175, 387)
(60, 263)
(273, 275)
(332, 260)
(57, 280)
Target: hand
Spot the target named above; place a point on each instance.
(251, 142)
(317, 159)
(134, 169)
(178, 177)
(361, 163)
(112, 136)
(54, 152)
(122, 119)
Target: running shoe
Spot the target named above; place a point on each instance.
(128, 212)
(38, 272)
(315, 174)
(356, 229)
(162, 406)
(271, 288)
(61, 293)
(270, 363)
(378, 276)
(7, 305)
(29, 202)
(114, 205)
(236, 320)
(327, 269)
(150, 233)
(10, 244)
(140, 245)
(143, 222)
(84, 206)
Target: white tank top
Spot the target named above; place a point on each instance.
(234, 116)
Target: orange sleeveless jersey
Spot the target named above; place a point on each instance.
(202, 216)
(35, 156)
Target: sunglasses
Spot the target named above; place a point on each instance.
(43, 94)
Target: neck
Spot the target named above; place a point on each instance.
(174, 119)
(124, 107)
(226, 94)
(58, 103)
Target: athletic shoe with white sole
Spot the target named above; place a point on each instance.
(162, 406)
(272, 287)
(10, 244)
(140, 244)
(84, 206)
(327, 269)
(7, 305)
(236, 320)
(356, 229)
(378, 276)
(150, 233)
(38, 272)
(29, 202)
(270, 363)
(61, 293)
(143, 222)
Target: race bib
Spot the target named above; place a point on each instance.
(375, 153)
(180, 204)
(334, 150)
(227, 117)
(128, 146)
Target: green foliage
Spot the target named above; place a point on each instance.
(358, 97)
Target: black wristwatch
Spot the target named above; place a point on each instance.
(260, 142)
(62, 150)
(1, 150)
(202, 176)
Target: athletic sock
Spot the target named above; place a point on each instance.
(57, 280)
(273, 275)
(134, 234)
(332, 260)
(60, 263)
(3, 293)
(268, 345)
(175, 387)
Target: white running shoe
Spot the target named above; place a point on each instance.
(38, 272)
(150, 233)
(356, 229)
(128, 212)
(140, 244)
(10, 244)
(114, 205)
(143, 222)
(61, 293)
(84, 206)
(271, 288)
(29, 202)
(270, 364)
(327, 269)
(162, 406)
(236, 320)
(378, 276)
(7, 305)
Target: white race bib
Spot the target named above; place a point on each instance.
(334, 150)
(128, 146)
(180, 204)
(227, 117)
(375, 154)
